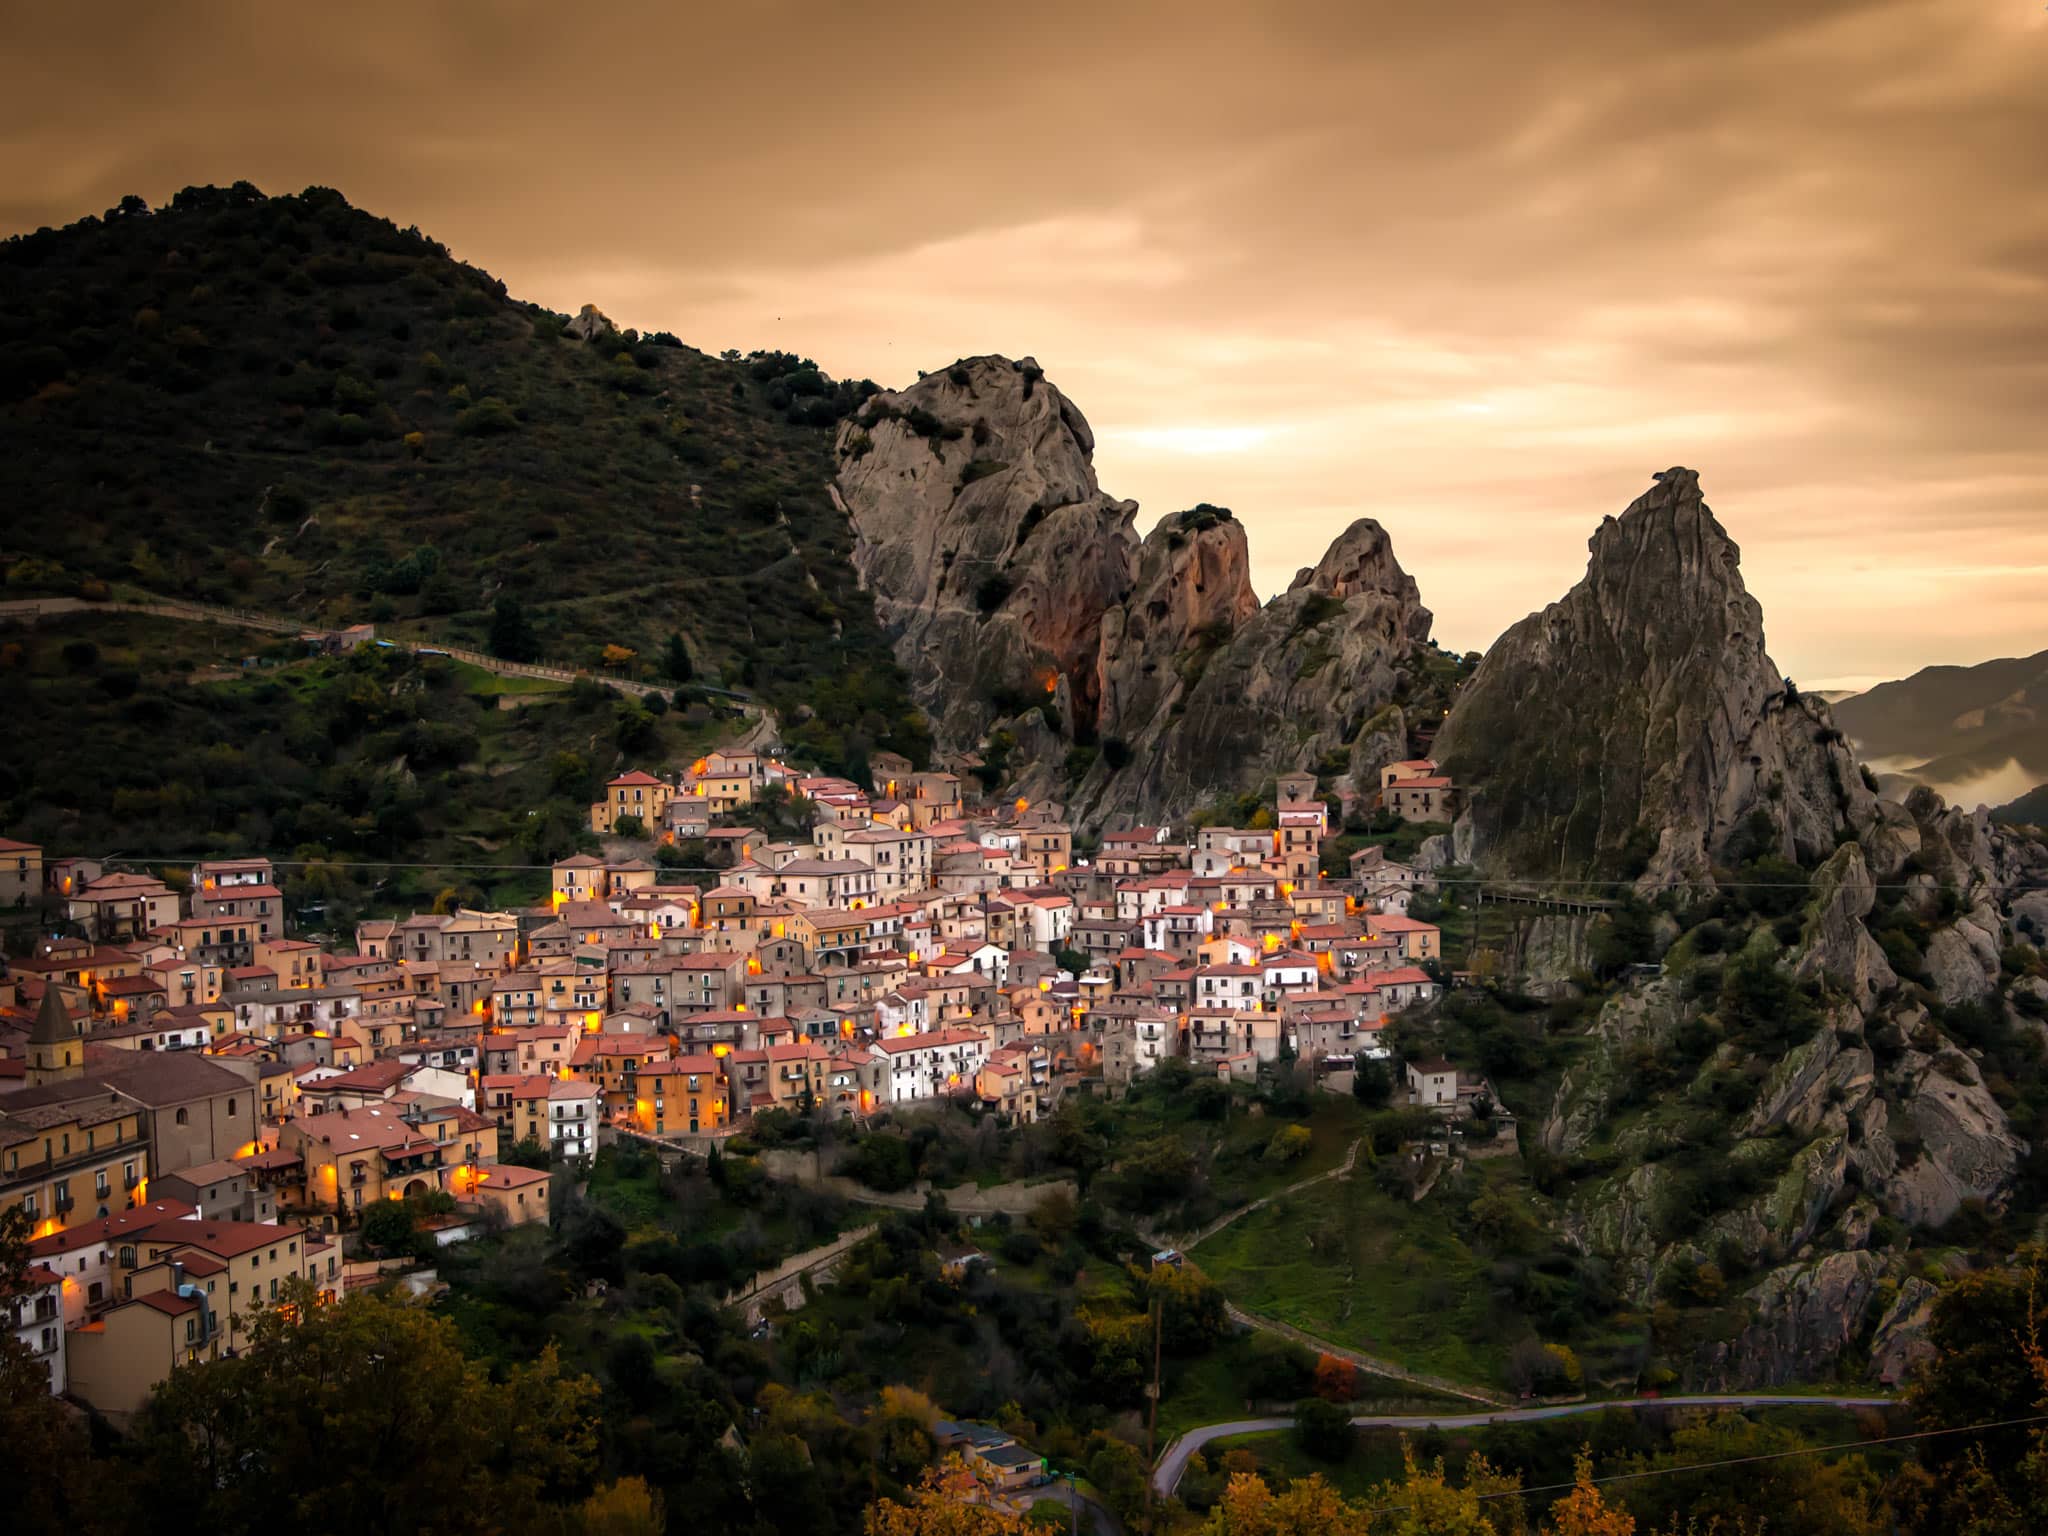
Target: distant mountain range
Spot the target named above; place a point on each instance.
(1977, 734)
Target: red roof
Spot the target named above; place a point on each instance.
(168, 1302)
(1407, 975)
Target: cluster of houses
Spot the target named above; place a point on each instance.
(193, 1102)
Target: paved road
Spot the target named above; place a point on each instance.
(1166, 1476)
(1095, 1517)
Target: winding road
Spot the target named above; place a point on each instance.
(1166, 1476)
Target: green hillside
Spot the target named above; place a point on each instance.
(383, 781)
(288, 404)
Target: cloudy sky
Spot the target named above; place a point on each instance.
(1476, 271)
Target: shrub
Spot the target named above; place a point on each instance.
(489, 417)
(1290, 1144)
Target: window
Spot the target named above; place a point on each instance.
(231, 1106)
(183, 1117)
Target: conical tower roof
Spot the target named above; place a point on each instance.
(53, 1020)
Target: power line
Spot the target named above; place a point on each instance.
(201, 858)
(1582, 889)
(1742, 1461)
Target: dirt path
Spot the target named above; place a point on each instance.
(1373, 1363)
(1341, 1171)
(30, 610)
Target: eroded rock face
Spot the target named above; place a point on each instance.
(1310, 676)
(1193, 591)
(1838, 947)
(1900, 1346)
(1966, 1149)
(1806, 1315)
(991, 552)
(1636, 723)
(1008, 580)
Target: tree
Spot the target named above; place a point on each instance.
(390, 1227)
(633, 728)
(1372, 1084)
(527, 1153)
(675, 661)
(1308, 1506)
(281, 1436)
(1582, 1512)
(1323, 1429)
(1989, 1366)
(628, 825)
(1336, 1379)
(43, 1448)
(627, 1507)
(947, 1502)
(511, 636)
(1192, 1314)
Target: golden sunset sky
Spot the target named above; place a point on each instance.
(1474, 270)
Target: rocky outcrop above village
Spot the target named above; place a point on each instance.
(1633, 726)
(1026, 609)
(1306, 682)
(990, 550)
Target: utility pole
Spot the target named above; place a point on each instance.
(1152, 1419)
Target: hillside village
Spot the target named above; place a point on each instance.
(198, 1104)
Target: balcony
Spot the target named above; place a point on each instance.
(62, 1202)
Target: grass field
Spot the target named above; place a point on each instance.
(1351, 1264)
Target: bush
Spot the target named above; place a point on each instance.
(1290, 1144)
(489, 417)
(1281, 1370)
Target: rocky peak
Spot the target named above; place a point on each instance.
(1306, 682)
(1360, 560)
(1634, 725)
(991, 551)
(1194, 574)
(1009, 581)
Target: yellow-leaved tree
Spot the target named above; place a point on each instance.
(947, 1502)
(1583, 1512)
(1423, 1503)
